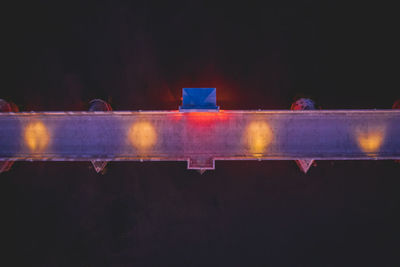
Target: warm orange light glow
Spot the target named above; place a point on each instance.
(36, 136)
(258, 136)
(142, 135)
(370, 141)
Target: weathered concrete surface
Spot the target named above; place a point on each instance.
(6, 165)
(199, 138)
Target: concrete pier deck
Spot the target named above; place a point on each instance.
(200, 137)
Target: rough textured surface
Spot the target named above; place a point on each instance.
(201, 136)
(6, 107)
(304, 104)
(99, 105)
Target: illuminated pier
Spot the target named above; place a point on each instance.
(200, 138)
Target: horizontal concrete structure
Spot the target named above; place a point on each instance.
(200, 137)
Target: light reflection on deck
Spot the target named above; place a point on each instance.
(142, 135)
(258, 136)
(36, 136)
(371, 141)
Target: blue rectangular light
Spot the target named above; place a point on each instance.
(199, 99)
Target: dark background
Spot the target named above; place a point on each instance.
(58, 55)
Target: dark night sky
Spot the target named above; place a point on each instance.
(58, 55)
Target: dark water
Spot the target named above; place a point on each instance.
(58, 55)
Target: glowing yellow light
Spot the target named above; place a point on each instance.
(258, 136)
(36, 136)
(142, 135)
(370, 141)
